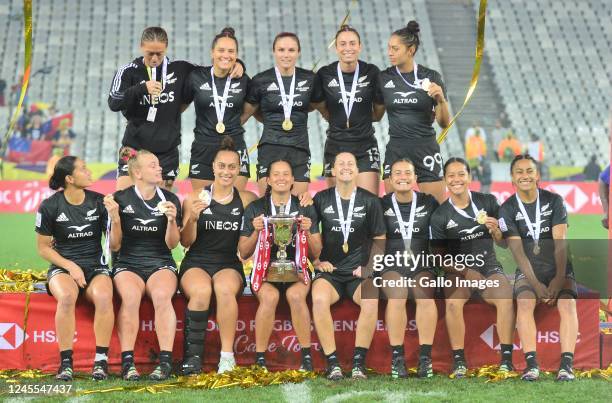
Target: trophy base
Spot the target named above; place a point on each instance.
(282, 272)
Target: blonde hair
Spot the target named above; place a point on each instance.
(130, 156)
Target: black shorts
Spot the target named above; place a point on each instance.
(366, 153)
(202, 156)
(143, 273)
(345, 286)
(169, 161)
(299, 158)
(211, 268)
(89, 275)
(521, 284)
(424, 154)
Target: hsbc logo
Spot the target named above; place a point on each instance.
(489, 336)
(12, 336)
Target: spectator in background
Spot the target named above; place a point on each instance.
(475, 149)
(503, 118)
(592, 169)
(604, 194)
(34, 129)
(509, 148)
(485, 175)
(63, 137)
(2, 89)
(472, 130)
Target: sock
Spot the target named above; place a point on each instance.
(459, 355)
(225, 354)
(66, 357)
(359, 356)
(305, 352)
(567, 360)
(101, 354)
(397, 351)
(332, 359)
(194, 333)
(530, 357)
(260, 358)
(506, 352)
(127, 357)
(165, 357)
(425, 351)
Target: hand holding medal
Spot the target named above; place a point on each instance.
(205, 196)
(168, 209)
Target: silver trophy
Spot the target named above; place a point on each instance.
(282, 270)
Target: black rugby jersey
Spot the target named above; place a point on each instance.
(410, 111)
(129, 95)
(76, 230)
(464, 235)
(552, 212)
(198, 88)
(367, 223)
(144, 231)
(218, 231)
(264, 90)
(360, 127)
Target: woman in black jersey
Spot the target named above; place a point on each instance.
(348, 87)
(465, 227)
(534, 222)
(211, 229)
(69, 225)
(278, 196)
(218, 100)
(281, 97)
(149, 229)
(413, 96)
(149, 92)
(407, 214)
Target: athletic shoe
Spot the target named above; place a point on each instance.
(358, 373)
(506, 366)
(226, 364)
(161, 372)
(565, 374)
(334, 373)
(192, 365)
(398, 368)
(425, 369)
(261, 363)
(306, 364)
(64, 373)
(100, 371)
(531, 374)
(459, 370)
(129, 373)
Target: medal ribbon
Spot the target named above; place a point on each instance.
(220, 109)
(348, 104)
(345, 225)
(534, 229)
(287, 100)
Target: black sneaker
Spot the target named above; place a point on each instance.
(398, 368)
(161, 372)
(100, 371)
(506, 366)
(64, 373)
(425, 369)
(566, 374)
(192, 365)
(306, 364)
(531, 374)
(261, 362)
(459, 370)
(129, 373)
(334, 373)
(358, 372)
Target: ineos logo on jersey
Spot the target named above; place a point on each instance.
(221, 225)
(163, 98)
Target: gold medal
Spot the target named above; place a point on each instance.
(220, 128)
(205, 196)
(161, 206)
(481, 217)
(287, 125)
(345, 248)
(536, 249)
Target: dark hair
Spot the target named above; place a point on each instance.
(268, 191)
(404, 159)
(154, 34)
(459, 160)
(344, 152)
(227, 144)
(227, 32)
(520, 157)
(287, 35)
(409, 35)
(348, 28)
(63, 168)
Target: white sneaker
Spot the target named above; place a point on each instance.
(226, 364)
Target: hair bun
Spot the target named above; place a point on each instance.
(228, 31)
(127, 153)
(227, 144)
(413, 27)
